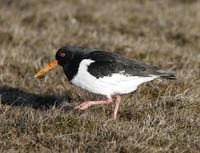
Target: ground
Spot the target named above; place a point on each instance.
(37, 115)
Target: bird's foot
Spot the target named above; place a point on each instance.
(84, 105)
(87, 104)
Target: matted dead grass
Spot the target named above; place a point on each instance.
(38, 115)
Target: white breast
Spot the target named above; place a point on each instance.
(117, 83)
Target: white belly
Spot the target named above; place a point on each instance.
(108, 85)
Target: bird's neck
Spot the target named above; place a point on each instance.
(71, 69)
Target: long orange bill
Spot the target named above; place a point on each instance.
(49, 67)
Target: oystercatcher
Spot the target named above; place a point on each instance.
(103, 73)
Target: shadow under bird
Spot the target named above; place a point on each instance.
(103, 73)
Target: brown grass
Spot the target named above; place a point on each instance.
(38, 115)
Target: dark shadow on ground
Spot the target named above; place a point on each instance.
(17, 97)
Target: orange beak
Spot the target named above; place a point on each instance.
(49, 67)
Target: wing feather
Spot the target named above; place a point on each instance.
(107, 63)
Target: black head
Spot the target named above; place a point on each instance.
(65, 54)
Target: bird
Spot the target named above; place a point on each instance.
(103, 73)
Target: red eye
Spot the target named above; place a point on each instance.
(62, 54)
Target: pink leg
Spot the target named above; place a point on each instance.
(87, 104)
(117, 103)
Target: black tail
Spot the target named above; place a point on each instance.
(166, 75)
(169, 76)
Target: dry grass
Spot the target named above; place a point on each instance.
(38, 115)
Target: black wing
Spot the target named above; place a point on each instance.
(107, 63)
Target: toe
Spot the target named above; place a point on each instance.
(82, 106)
